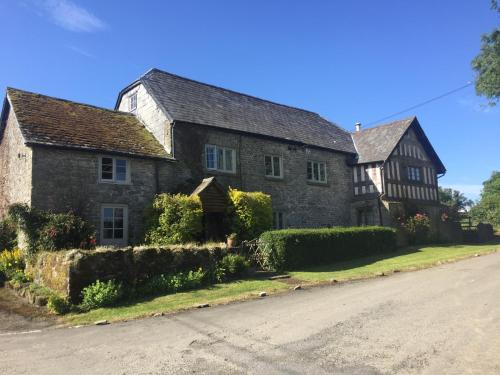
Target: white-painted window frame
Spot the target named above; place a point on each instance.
(280, 163)
(132, 102)
(313, 179)
(114, 180)
(224, 150)
(114, 241)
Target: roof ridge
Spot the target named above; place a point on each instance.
(69, 101)
(386, 124)
(229, 90)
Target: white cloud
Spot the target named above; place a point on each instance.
(70, 16)
(81, 51)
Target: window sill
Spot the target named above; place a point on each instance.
(317, 183)
(220, 173)
(115, 182)
(272, 178)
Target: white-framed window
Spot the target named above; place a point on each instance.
(113, 169)
(274, 166)
(132, 102)
(413, 173)
(278, 220)
(114, 224)
(220, 158)
(316, 171)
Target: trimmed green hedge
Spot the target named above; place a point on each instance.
(298, 248)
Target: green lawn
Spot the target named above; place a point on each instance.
(404, 260)
(408, 259)
(217, 294)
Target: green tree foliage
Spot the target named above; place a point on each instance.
(8, 235)
(487, 210)
(487, 64)
(454, 199)
(251, 213)
(174, 219)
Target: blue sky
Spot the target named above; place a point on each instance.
(348, 61)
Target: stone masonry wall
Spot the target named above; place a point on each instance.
(65, 179)
(303, 203)
(15, 166)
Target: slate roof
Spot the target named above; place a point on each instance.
(377, 144)
(185, 100)
(56, 122)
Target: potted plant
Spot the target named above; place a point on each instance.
(232, 240)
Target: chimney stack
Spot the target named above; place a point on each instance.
(357, 126)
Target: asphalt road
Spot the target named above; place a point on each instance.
(444, 320)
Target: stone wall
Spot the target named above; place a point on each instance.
(15, 166)
(303, 203)
(67, 179)
(68, 272)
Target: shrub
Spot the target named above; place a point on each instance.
(8, 235)
(58, 305)
(417, 227)
(166, 284)
(52, 231)
(234, 265)
(297, 248)
(251, 213)
(101, 294)
(11, 262)
(174, 219)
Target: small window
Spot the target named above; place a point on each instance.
(220, 158)
(316, 171)
(278, 222)
(273, 166)
(413, 173)
(132, 102)
(114, 170)
(114, 224)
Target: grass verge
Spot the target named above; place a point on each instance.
(404, 260)
(216, 294)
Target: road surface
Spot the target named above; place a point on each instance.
(444, 320)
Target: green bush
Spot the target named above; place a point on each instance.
(167, 284)
(417, 227)
(8, 235)
(58, 305)
(11, 263)
(47, 231)
(174, 219)
(234, 265)
(298, 248)
(251, 213)
(101, 294)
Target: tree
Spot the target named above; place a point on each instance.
(454, 198)
(487, 64)
(487, 210)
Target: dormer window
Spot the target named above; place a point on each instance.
(132, 102)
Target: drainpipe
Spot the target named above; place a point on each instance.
(172, 143)
(382, 194)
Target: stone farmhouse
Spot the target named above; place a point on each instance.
(171, 134)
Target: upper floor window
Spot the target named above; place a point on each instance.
(114, 170)
(132, 102)
(274, 166)
(220, 158)
(413, 173)
(316, 171)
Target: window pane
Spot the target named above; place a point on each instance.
(220, 158)
(280, 220)
(118, 223)
(309, 171)
(210, 156)
(133, 102)
(315, 172)
(229, 159)
(276, 166)
(118, 233)
(322, 175)
(107, 234)
(118, 213)
(108, 213)
(107, 168)
(417, 173)
(268, 165)
(121, 170)
(107, 223)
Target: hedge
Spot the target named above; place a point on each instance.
(297, 248)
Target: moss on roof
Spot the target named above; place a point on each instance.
(49, 121)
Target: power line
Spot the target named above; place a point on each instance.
(423, 103)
